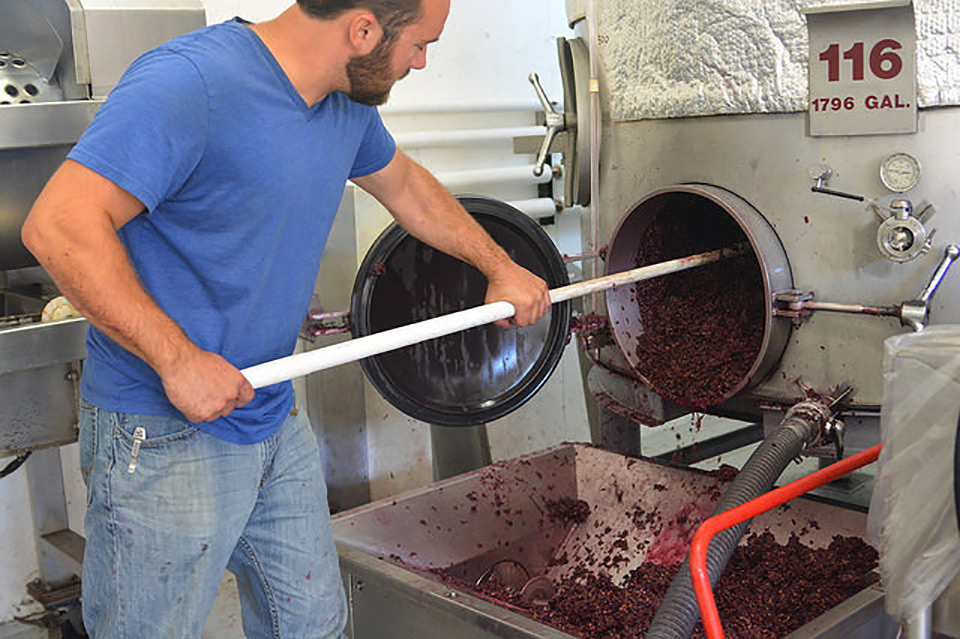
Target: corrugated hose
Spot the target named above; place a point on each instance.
(678, 613)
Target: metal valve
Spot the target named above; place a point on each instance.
(902, 236)
(916, 313)
(556, 123)
(821, 413)
(834, 431)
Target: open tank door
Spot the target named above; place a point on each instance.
(475, 376)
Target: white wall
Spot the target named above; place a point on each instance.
(486, 52)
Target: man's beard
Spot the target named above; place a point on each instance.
(371, 76)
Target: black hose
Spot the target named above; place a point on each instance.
(678, 612)
(12, 467)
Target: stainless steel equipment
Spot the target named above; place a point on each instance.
(864, 239)
(494, 520)
(625, 318)
(864, 262)
(58, 61)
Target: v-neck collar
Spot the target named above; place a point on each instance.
(282, 76)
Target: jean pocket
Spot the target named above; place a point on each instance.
(153, 430)
(136, 433)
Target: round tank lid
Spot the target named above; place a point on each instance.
(475, 376)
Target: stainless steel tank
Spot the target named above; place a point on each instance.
(840, 253)
(716, 97)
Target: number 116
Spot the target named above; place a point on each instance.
(885, 62)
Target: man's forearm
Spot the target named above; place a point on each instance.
(433, 215)
(72, 231)
(90, 266)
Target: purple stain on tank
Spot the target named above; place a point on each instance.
(308, 576)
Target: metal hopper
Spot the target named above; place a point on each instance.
(495, 520)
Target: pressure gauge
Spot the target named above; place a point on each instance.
(900, 172)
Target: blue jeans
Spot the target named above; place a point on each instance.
(166, 516)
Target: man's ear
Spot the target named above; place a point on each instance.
(365, 32)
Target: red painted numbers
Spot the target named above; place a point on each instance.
(862, 70)
(834, 104)
(884, 64)
(884, 61)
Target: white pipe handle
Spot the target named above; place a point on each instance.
(280, 370)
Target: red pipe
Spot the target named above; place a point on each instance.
(749, 510)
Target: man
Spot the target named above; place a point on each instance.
(187, 225)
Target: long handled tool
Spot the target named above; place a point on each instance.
(285, 368)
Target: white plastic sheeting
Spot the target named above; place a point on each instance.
(676, 58)
(913, 521)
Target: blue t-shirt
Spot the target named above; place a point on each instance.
(240, 180)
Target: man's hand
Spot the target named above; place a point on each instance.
(204, 386)
(527, 292)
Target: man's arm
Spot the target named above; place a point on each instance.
(426, 209)
(72, 231)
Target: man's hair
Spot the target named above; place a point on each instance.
(392, 15)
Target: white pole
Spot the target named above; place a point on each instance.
(462, 136)
(508, 174)
(281, 370)
(463, 107)
(537, 207)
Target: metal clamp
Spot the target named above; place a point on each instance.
(819, 413)
(834, 431)
(556, 123)
(792, 303)
(798, 305)
(321, 323)
(916, 313)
